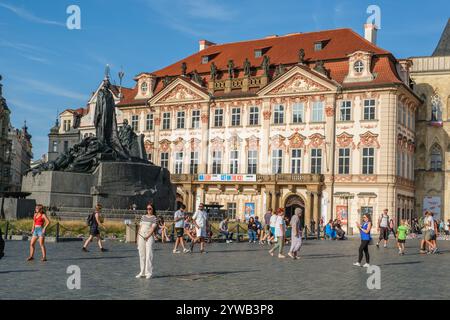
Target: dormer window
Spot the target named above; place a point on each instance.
(359, 66)
(258, 53)
(205, 59)
(318, 46)
(144, 87)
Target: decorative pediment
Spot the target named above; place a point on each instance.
(148, 145)
(296, 141)
(277, 142)
(234, 142)
(252, 143)
(217, 144)
(164, 145)
(195, 144)
(298, 80)
(179, 91)
(345, 140)
(179, 144)
(368, 139)
(316, 140)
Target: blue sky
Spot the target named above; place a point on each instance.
(47, 67)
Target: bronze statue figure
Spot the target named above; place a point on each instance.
(320, 67)
(230, 68)
(301, 56)
(196, 77)
(213, 71)
(183, 69)
(247, 67)
(266, 65)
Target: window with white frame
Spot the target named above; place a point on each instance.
(217, 162)
(344, 161)
(296, 161)
(316, 161)
(253, 116)
(317, 112)
(252, 161)
(235, 116)
(194, 163)
(195, 119)
(368, 161)
(345, 111)
(278, 114)
(178, 162)
(144, 87)
(298, 112)
(231, 210)
(166, 121)
(218, 118)
(181, 116)
(369, 109)
(55, 146)
(234, 162)
(359, 66)
(277, 161)
(135, 123)
(164, 160)
(149, 122)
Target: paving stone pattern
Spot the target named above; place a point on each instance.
(234, 271)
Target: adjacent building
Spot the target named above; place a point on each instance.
(21, 156)
(431, 76)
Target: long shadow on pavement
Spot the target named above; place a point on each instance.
(204, 273)
(18, 271)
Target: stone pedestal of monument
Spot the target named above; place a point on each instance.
(116, 185)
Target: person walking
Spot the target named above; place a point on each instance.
(267, 217)
(179, 229)
(95, 222)
(40, 224)
(280, 230)
(296, 234)
(146, 240)
(402, 232)
(252, 229)
(223, 229)
(272, 222)
(200, 220)
(429, 232)
(364, 231)
(383, 228)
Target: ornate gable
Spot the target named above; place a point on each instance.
(345, 140)
(180, 93)
(296, 141)
(298, 84)
(369, 139)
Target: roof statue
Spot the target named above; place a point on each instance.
(301, 56)
(443, 48)
(183, 68)
(266, 65)
(247, 67)
(230, 66)
(213, 71)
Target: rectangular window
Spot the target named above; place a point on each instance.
(149, 122)
(344, 161)
(178, 162)
(367, 211)
(135, 123)
(218, 118)
(235, 116)
(278, 114)
(166, 121)
(277, 161)
(316, 161)
(234, 162)
(55, 146)
(252, 161)
(317, 112)
(404, 115)
(66, 146)
(194, 163)
(195, 119)
(181, 115)
(217, 162)
(296, 161)
(345, 111)
(369, 109)
(368, 161)
(399, 163)
(231, 210)
(253, 119)
(298, 113)
(164, 160)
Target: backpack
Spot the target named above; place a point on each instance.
(90, 219)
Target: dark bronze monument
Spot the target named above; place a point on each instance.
(110, 168)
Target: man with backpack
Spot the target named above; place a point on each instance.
(94, 221)
(383, 228)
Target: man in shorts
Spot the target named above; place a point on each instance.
(200, 220)
(383, 228)
(179, 229)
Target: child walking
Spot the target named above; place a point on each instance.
(402, 232)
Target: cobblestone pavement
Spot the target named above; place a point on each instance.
(228, 271)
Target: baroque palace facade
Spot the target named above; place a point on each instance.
(322, 120)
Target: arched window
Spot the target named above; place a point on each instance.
(436, 158)
(436, 108)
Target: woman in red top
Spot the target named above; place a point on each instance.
(40, 224)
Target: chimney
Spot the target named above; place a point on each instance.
(203, 44)
(370, 32)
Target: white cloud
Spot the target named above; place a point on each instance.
(43, 87)
(29, 16)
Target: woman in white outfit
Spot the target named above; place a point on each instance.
(147, 228)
